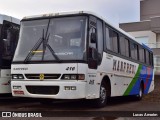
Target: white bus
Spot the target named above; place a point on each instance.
(9, 31)
(79, 56)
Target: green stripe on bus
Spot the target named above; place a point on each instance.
(134, 80)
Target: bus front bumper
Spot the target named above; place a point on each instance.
(49, 89)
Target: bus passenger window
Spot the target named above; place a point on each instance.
(151, 59)
(100, 40)
(147, 57)
(115, 41)
(112, 40)
(127, 47)
(100, 37)
(141, 54)
(92, 30)
(108, 40)
(134, 51)
(122, 45)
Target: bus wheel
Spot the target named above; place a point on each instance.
(103, 98)
(140, 94)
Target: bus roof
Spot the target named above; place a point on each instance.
(8, 18)
(81, 13)
(74, 13)
(148, 48)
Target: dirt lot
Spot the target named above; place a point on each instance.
(155, 95)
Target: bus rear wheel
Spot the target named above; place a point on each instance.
(104, 95)
(140, 94)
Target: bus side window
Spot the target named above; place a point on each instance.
(6, 38)
(91, 32)
(115, 41)
(112, 40)
(144, 56)
(127, 47)
(93, 52)
(141, 54)
(93, 60)
(100, 39)
(151, 59)
(134, 51)
(122, 45)
(10, 35)
(108, 40)
(147, 57)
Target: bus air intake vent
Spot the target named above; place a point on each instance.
(46, 76)
(43, 90)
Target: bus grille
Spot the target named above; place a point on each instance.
(46, 90)
(46, 76)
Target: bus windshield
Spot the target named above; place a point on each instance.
(54, 39)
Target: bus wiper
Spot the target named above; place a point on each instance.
(44, 41)
(31, 53)
(46, 45)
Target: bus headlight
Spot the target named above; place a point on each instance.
(17, 76)
(73, 77)
(66, 77)
(17, 87)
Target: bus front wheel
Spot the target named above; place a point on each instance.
(103, 97)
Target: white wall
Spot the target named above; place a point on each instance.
(145, 35)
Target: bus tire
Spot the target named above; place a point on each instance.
(140, 94)
(104, 96)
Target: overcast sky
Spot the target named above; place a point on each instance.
(114, 10)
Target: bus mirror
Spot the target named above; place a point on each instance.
(93, 37)
(93, 53)
(93, 61)
(92, 64)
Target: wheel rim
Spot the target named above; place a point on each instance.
(140, 93)
(103, 94)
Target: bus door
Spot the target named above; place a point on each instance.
(94, 55)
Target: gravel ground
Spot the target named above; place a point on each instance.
(154, 96)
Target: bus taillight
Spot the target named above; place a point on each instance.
(18, 92)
